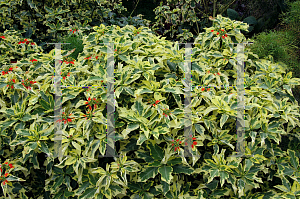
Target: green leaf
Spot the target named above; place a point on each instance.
(139, 107)
(200, 129)
(155, 151)
(182, 169)
(282, 188)
(14, 98)
(248, 165)
(23, 132)
(141, 139)
(70, 160)
(89, 193)
(32, 5)
(149, 172)
(212, 185)
(223, 176)
(123, 58)
(14, 178)
(286, 183)
(296, 188)
(44, 148)
(250, 20)
(223, 119)
(142, 91)
(241, 185)
(58, 181)
(32, 145)
(293, 159)
(171, 65)
(232, 14)
(91, 37)
(82, 187)
(209, 109)
(166, 173)
(214, 173)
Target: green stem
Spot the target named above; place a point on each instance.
(196, 22)
(214, 13)
(227, 6)
(134, 7)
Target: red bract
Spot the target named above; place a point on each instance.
(212, 30)
(1, 170)
(194, 143)
(223, 37)
(137, 32)
(33, 60)
(6, 174)
(4, 182)
(6, 163)
(194, 138)
(208, 89)
(218, 73)
(2, 37)
(88, 58)
(218, 33)
(203, 89)
(208, 72)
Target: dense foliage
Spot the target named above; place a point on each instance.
(150, 80)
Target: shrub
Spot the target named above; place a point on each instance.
(149, 121)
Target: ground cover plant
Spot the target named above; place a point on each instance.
(149, 119)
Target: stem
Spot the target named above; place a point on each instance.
(135, 7)
(226, 7)
(205, 6)
(196, 22)
(214, 13)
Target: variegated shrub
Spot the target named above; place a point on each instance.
(149, 118)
